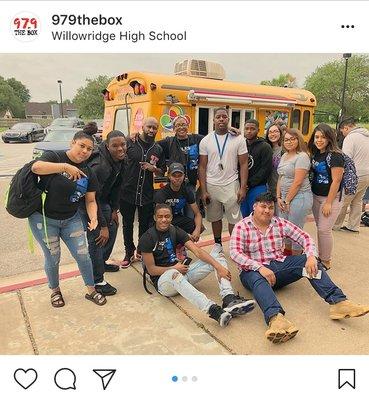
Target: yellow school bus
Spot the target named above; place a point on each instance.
(133, 96)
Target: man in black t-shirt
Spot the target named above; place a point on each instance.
(183, 148)
(177, 195)
(145, 158)
(171, 277)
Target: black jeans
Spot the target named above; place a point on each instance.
(145, 220)
(99, 254)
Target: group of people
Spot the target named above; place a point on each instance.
(264, 187)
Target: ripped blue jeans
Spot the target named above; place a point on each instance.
(73, 235)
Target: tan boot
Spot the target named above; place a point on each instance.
(347, 309)
(280, 329)
(327, 264)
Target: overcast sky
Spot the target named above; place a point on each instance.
(39, 72)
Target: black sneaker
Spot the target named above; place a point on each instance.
(345, 229)
(216, 312)
(111, 268)
(237, 305)
(106, 289)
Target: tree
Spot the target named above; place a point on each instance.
(19, 90)
(89, 99)
(326, 83)
(283, 80)
(9, 100)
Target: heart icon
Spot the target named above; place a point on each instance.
(25, 378)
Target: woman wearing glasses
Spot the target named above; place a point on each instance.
(294, 195)
(274, 138)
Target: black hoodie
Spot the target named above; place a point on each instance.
(109, 175)
(260, 162)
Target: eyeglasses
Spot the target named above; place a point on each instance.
(180, 125)
(290, 140)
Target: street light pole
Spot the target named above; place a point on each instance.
(346, 56)
(61, 112)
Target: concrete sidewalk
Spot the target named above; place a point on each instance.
(133, 322)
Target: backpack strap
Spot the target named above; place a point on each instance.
(328, 160)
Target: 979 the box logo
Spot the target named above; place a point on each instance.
(25, 26)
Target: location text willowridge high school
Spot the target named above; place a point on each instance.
(73, 20)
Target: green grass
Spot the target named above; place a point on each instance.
(2, 129)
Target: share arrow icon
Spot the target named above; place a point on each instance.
(106, 376)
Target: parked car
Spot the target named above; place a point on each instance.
(24, 132)
(57, 139)
(65, 123)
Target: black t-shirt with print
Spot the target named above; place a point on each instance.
(162, 247)
(322, 176)
(63, 194)
(177, 200)
(184, 151)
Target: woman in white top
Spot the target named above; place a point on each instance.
(294, 194)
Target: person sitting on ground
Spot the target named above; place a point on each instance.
(171, 277)
(257, 247)
(68, 181)
(178, 196)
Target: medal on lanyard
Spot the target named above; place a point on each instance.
(221, 152)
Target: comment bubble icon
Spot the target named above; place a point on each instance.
(65, 379)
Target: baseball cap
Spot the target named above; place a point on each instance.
(175, 167)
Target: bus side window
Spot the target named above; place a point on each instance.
(122, 119)
(305, 122)
(203, 122)
(249, 114)
(236, 119)
(295, 120)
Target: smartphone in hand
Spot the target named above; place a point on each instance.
(187, 261)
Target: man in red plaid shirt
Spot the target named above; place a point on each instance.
(257, 245)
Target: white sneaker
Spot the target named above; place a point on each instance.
(217, 248)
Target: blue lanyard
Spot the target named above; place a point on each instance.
(221, 152)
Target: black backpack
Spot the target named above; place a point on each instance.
(24, 196)
(154, 234)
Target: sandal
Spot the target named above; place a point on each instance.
(96, 298)
(57, 299)
(137, 257)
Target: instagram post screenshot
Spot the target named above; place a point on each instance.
(184, 199)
